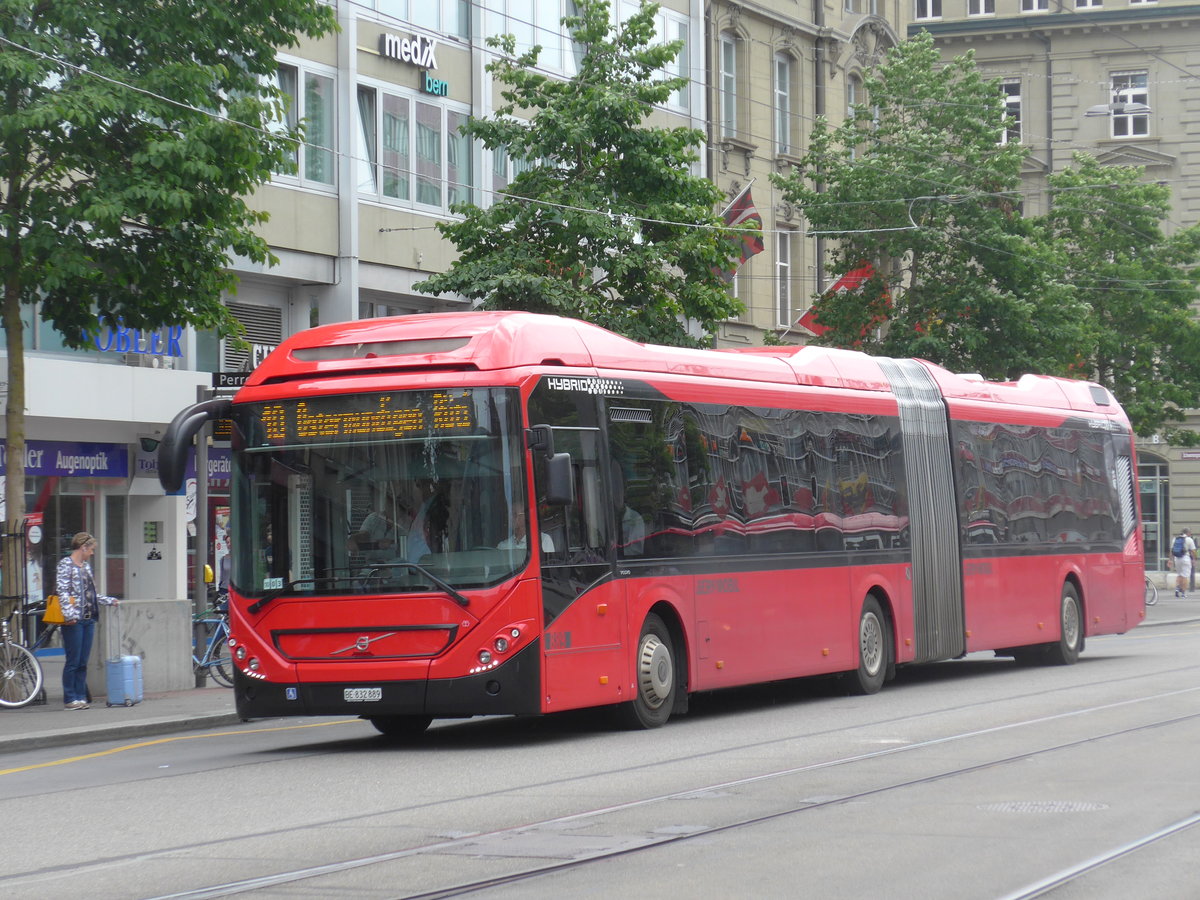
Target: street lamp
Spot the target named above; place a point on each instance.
(1117, 109)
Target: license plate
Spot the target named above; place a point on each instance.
(362, 695)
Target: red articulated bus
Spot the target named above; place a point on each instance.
(503, 513)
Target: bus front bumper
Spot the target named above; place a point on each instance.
(513, 688)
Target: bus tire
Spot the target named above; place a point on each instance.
(401, 726)
(654, 689)
(1066, 651)
(874, 650)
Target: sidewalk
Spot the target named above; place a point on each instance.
(50, 725)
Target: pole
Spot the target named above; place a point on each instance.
(200, 591)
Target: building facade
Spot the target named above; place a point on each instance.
(772, 69)
(1119, 79)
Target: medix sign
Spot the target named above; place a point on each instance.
(416, 49)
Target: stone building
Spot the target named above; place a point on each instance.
(772, 69)
(1119, 79)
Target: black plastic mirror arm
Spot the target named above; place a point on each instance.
(173, 450)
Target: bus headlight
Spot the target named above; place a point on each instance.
(485, 657)
(501, 645)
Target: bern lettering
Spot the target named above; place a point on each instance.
(435, 86)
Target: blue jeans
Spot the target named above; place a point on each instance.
(77, 644)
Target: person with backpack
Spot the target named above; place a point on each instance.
(1183, 551)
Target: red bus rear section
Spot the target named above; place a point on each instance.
(504, 513)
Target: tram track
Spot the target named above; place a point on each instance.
(486, 843)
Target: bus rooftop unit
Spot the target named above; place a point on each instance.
(503, 513)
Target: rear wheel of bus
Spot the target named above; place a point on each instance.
(874, 650)
(1070, 642)
(656, 674)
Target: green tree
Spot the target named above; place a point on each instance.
(606, 223)
(918, 185)
(1139, 286)
(131, 134)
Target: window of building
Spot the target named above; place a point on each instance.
(668, 26)
(728, 85)
(783, 103)
(783, 278)
(1011, 87)
(411, 151)
(1035, 5)
(1141, 2)
(1088, 4)
(673, 27)
(309, 99)
(929, 9)
(447, 16)
(854, 96)
(533, 22)
(981, 7)
(1130, 87)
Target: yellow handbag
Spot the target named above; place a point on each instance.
(53, 614)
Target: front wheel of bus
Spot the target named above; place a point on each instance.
(401, 726)
(656, 682)
(1070, 641)
(874, 649)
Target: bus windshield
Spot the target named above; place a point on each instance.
(384, 492)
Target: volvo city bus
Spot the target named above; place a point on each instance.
(476, 513)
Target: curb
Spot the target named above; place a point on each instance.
(95, 734)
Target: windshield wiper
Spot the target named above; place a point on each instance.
(437, 582)
(433, 579)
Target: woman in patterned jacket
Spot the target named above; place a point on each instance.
(81, 608)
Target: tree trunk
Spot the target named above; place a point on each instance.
(14, 418)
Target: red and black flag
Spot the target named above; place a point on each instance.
(742, 215)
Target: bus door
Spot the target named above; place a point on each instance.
(582, 609)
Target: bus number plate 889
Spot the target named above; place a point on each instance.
(361, 695)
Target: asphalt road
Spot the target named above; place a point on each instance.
(969, 779)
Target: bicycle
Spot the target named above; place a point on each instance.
(1151, 592)
(215, 661)
(20, 672)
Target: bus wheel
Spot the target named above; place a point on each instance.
(1066, 651)
(401, 726)
(656, 684)
(874, 650)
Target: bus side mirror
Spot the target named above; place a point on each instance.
(560, 485)
(541, 440)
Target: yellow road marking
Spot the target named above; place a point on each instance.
(168, 740)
